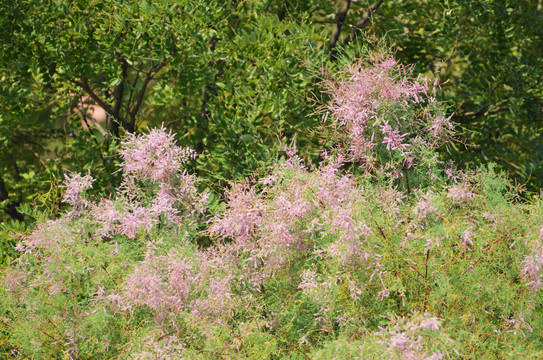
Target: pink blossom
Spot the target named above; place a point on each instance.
(465, 239)
(369, 103)
(242, 218)
(400, 341)
(50, 235)
(107, 215)
(14, 280)
(517, 323)
(441, 126)
(424, 206)
(404, 339)
(531, 268)
(452, 172)
(136, 219)
(164, 203)
(309, 281)
(430, 323)
(460, 193)
(355, 291)
(393, 139)
(432, 242)
(154, 156)
(75, 186)
(180, 279)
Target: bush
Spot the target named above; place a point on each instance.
(379, 252)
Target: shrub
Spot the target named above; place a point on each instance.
(317, 263)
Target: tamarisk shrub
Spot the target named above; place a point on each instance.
(320, 263)
(382, 119)
(53, 290)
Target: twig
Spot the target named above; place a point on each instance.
(487, 249)
(362, 22)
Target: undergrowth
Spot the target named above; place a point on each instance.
(381, 252)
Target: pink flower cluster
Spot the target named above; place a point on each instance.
(461, 193)
(154, 157)
(156, 161)
(373, 104)
(170, 284)
(531, 267)
(424, 206)
(284, 223)
(404, 337)
(76, 185)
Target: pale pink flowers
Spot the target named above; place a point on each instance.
(531, 267)
(466, 238)
(76, 185)
(155, 186)
(424, 206)
(431, 323)
(404, 338)
(392, 138)
(460, 193)
(375, 103)
(154, 156)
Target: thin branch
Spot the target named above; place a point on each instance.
(36, 155)
(505, 236)
(118, 93)
(15, 166)
(486, 111)
(11, 207)
(84, 84)
(93, 136)
(367, 16)
(283, 11)
(426, 279)
(340, 19)
(412, 267)
(328, 22)
(139, 99)
(43, 133)
(130, 96)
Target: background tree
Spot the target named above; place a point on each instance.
(232, 78)
(488, 56)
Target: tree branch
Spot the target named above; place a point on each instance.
(487, 248)
(118, 92)
(84, 84)
(486, 111)
(11, 208)
(141, 94)
(130, 96)
(340, 19)
(356, 29)
(283, 11)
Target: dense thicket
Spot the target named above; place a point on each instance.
(243, 83)
(230, 78)
(380, 251)
(489, 55)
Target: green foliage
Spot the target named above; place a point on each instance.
(306, 263)
(236, 80)
(489, 53)
(231, 78)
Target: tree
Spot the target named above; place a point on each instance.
(489, 53)
(232, 78)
